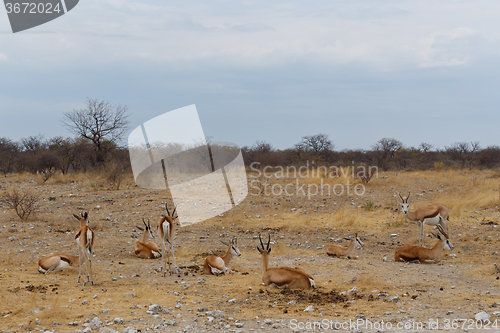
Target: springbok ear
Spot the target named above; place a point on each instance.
(76, 217)
(86, 215)
(225, 243)
(140, 228)
(347, 238)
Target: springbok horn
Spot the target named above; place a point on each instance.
(269, 243)
(261, 244)
(166, 207)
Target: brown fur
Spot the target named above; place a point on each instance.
(165, 232)
(412, 252)
(145, 249)
(293, 278)
(51, 262)
(85, 248)
(220, 263)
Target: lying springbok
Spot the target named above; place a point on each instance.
(56, 261)
(166, 232)
(145, 249)
(85, 240)
(432, 215)
(338, 251)
(218, 265)
(412, 252)
(281, 277)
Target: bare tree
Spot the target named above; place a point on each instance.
(262, 147)
(317, 146)
(8, 153)
(425, 147)
(386, 149)
(101, 122)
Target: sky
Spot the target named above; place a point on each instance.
(275, 71)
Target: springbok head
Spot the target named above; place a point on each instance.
(147, 227)
(84, 216)
(404, 202)
(445, 238)
(233, 246)
(357, 240)
(267, 248)
(172, 216)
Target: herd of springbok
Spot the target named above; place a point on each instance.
(294, 278)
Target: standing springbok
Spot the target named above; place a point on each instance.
(432, 215)
(56, 261)
(218, 265)
(85, 240)
(281, 277)
(412, 252)
(166, 232)
(145, 249)
(338, 251)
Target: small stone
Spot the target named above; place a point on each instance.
(268, 321)
(154, 308)
(85, 302)
(203, 309)
(309, 308)
(129, 330)
(482, 317)
(360, 317)
(95, 323)
(216, 314)
(118, 321)
(394, 299)
(133, 295)
(105, 311)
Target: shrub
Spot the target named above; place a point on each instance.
(22, 203)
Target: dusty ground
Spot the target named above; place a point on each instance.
(458, 287)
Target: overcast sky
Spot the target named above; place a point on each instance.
(417, 71)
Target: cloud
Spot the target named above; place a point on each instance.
(448, 48)
(252, 27)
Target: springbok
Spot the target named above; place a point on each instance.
(56, 261)
(218, 265)
(85, 240)
(339, 251)
(432, 215)
(281, 277)
(145, 249)
(412, 252)
(166, 232)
